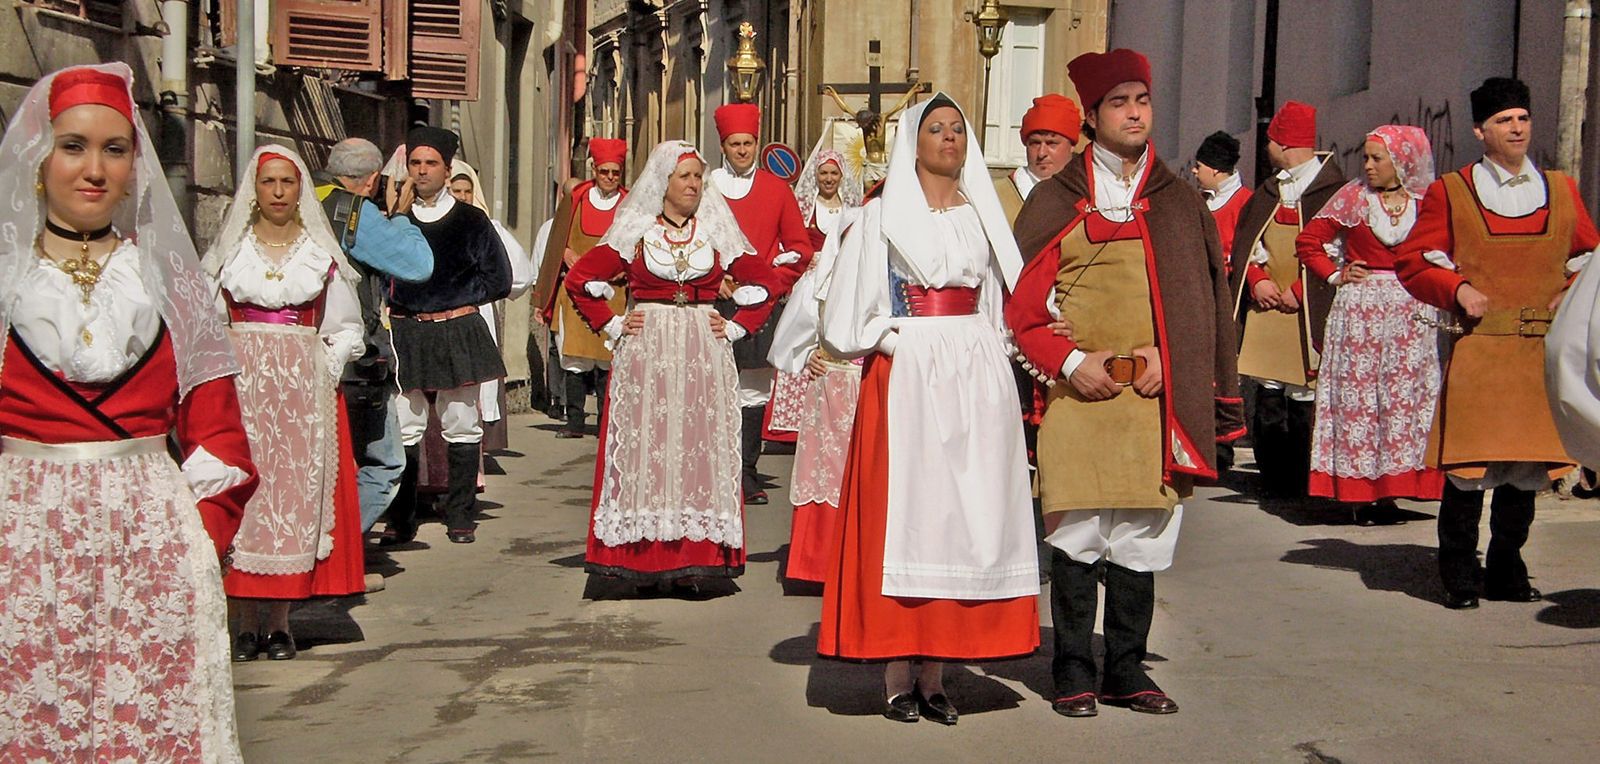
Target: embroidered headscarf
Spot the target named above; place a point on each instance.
(1413, 162)
(805, 190)
(637, 212)
(236, 226)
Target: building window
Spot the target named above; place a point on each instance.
(108, 12)
(1016, 76)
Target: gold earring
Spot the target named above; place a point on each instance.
(38, 188)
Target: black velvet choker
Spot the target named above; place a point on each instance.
(83, 236)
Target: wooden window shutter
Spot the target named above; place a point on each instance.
(396, 39)
(444, 49)
(328, 34)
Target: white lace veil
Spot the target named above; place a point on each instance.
(148, 216)
(236, 226)
(637, 212)
(805, 190)
(908, 222)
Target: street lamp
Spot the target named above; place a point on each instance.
(745, 66)
(991, 22)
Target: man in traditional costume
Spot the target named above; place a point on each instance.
(443, 347)
(379, 248)
(581, 220)
(1281, 314)
(770, 218)
(1226, 196)
(1495, 243)
(1137, 273)
(1050, 130)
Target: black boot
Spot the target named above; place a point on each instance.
(1269, 428)
(1302, 423)
(751, 419)
(461, 492)
(1074, 598)
(573, 385)
(1459, 514)
(1505, 574)
(1130, 606)
(403, 510)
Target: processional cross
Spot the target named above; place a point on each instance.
(872, 120)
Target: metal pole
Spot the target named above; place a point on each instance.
(244, 87)
(983, 113)
(1574, 85)
(174, 99)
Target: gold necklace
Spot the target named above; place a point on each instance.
(274, 269)
(84, 270)
(1397, 211)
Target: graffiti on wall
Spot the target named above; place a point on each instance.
(1434, 119)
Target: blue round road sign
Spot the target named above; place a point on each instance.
(780, 160)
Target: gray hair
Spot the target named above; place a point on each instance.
(354, 158)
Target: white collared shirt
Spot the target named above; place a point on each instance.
(602, 202)
(1113, 194)
(1216, 200)
(433, 211)
(1496, 191)
(1025, 181)
(733, 185)
(1293, 182)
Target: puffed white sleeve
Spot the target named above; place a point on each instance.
(856, 318)
(522, 270)
(343, 335)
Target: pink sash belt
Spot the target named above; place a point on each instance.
(946, 301)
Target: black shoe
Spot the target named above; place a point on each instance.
(280, 646)
(1528, 594)
(759, 497)
(1147, 702)
(246, 647)
(1460, 600)
(461, 535)
(902, 708)
(1377, 513)
(395, 536)
(1077, 706)
(936, 707)
(569, 434)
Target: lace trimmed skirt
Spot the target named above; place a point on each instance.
(112, 620)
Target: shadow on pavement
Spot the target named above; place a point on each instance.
(599, 588)
(1410, 569)
(326, 621)
(1572, 609)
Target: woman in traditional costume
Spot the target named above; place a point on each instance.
(1378, 381)
(818, 391)
(112, 616)
(934, 556)
(295, 320)
(667, 505)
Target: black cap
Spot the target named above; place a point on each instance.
(1497, 94)
(938, 101)
(1219, 151)
(436, 138)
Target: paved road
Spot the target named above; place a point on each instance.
(1286, 633)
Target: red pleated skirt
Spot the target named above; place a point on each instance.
(811, 537)
(858, 622)
(344, 570)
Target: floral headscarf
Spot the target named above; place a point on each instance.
(1413, 163)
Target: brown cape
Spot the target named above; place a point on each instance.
(1253, 221)
(1194, 314)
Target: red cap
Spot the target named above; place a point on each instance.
(735, 118)
(268, 156)
(1055, 113)
(1095, 74)
(607, 150)
(1294, 126)
(82, 85)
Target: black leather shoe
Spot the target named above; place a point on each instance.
(759, 497)
(936, 707)
(1148, 702)
(280, 646)
(569, 434)
(396, 536)
(902, 708)
(461, 535)
(1460, 600)
(1079, 705)
(1529, 594)
(246, 647)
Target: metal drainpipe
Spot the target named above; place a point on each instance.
(244, 87)
(1269, 85)
(913, 72)
(174, 101)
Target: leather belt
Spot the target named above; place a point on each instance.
(1514, 322)
(1124, 369)
(437, 316)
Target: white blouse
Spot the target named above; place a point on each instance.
(299, 280)
(825, 218)
(92, 343)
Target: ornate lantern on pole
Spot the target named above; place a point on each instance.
(991, 23)
(745, 67)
